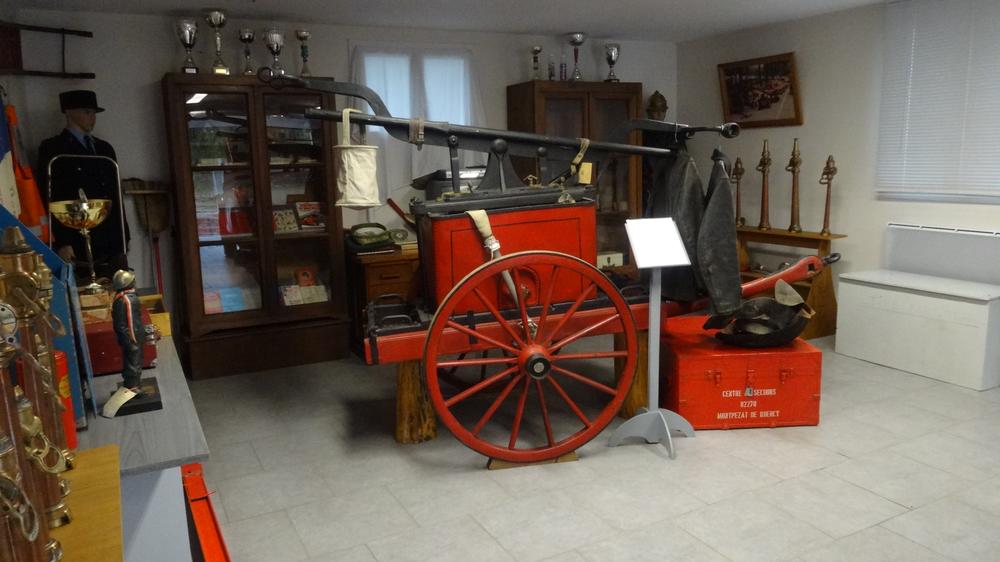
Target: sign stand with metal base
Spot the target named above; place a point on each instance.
(655, 244)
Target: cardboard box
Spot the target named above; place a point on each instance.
(716, 386)
(157, 313)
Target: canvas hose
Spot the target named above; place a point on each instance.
(574, 165)
(417, 132)
(482, 222)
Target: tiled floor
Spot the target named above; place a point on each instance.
(901, 468)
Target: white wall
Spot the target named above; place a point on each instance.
(839, 60)
(130, 55)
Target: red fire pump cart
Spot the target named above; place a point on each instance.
(531, 351)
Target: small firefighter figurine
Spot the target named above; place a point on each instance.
(127, 318)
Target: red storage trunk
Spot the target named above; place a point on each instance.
(716, 386)
(450, 246)
(106, 354)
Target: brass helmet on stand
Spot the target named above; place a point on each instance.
(656, 109)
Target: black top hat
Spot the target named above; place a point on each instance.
(79, 99)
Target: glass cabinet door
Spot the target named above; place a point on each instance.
(226, 215)
(607, 113)
(299, 205)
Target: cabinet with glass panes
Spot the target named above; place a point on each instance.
(259, 240)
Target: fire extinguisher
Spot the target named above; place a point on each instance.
(62, 387)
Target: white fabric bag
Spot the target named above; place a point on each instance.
(356, 170)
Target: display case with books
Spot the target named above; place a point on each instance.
(261, 258)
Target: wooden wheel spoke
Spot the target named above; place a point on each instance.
(519, 414)
(547, 300)
(496, 404)
(589, 355)
(500, 319)
(569, 402)
(521, 305)
(476, 362)
(569, 313)
(573, 337)
(469, 331)
(545, 413)
(585, 380)
(479, 386)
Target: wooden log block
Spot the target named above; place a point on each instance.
(415, 419)
(638, 395)
(498, 464)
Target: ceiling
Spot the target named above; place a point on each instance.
(663, 20)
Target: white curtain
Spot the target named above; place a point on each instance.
(438, 84)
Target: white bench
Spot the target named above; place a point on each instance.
(934, 310)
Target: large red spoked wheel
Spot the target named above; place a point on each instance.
(546, 383)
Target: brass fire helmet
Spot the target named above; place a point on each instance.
(123, 279)
(656, 109)
(767, 322)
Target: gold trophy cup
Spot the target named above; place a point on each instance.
(83, 215)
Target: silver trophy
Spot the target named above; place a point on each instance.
(303, 35)
(216, 19)
(246, 37)
(576, 39)
(275, 41)
(611, 51)
(535, 51)
(187, 32)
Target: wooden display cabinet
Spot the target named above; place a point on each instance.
(260, 245)
(586, 110)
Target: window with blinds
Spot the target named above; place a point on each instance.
(939, 125)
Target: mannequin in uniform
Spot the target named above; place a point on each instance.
(95, 176)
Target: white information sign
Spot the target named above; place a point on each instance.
(656, 243)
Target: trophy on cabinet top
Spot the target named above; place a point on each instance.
(83, 215)
(247, 37)
(576, 39)
(303, 36)
(187, 32)
(216, 19)
(275, 41)
(611, 52)
(535, 71)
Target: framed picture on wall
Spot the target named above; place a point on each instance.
(761, 92)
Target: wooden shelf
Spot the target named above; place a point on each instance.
(222, 167)
(95, 535)
(294, 165)
(47, 74)
(228, 239)
(301, 235)
(155, 440)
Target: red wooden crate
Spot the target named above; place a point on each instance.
(716, 386)
(106, 354)
(450, 247)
